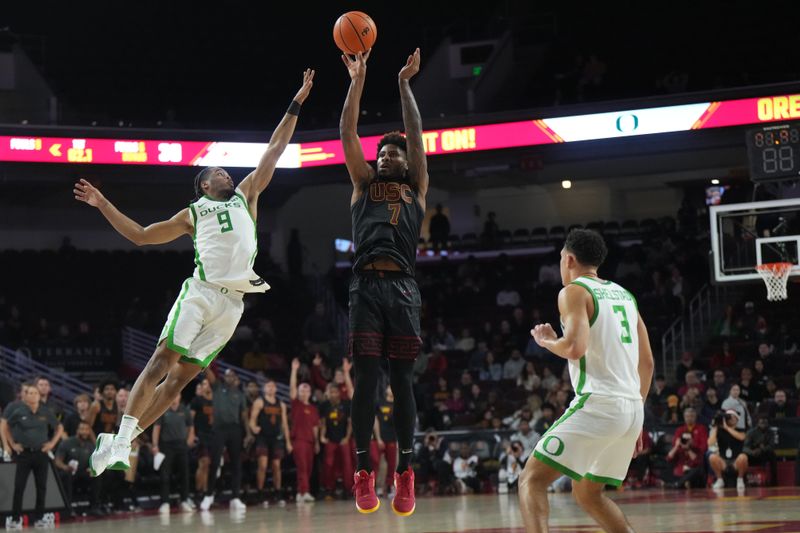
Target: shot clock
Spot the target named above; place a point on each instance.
(774, 151)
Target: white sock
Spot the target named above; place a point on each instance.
(136, 432)
(127, 427)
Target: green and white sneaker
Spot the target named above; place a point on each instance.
(98, 462)
(120, 455)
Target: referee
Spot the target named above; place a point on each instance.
(230, 429)
(26, 425)
(173, 433)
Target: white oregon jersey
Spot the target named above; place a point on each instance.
(225, 243)
(611, 364)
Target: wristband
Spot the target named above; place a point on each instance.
(294, 108)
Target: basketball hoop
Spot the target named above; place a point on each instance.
(775, 276)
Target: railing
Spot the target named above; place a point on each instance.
(689, 330)
(19, 367)
(138, 347)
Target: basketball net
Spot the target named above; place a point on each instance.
(775, 276)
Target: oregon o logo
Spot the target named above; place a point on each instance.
(548, 447)
(627, 123)
(224, 290)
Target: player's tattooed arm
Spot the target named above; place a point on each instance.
(255, 182)
(412, 121)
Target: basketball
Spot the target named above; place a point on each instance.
(354, 32)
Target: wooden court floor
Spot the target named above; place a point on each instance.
(764, 510)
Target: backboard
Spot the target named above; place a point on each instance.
(752, 233)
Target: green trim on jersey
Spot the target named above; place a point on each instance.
(635, 303)
(557, 466)
(581, 376)
(194, 242)
(171, 333)
(255, 226)
(569, 412)
(604, 480)
(205, 362)
(594, 297)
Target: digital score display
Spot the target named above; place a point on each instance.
(774, 151)
(467, 138)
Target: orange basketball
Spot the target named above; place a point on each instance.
(354, 32)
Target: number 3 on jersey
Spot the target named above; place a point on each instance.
(224, 219)
(626, 335)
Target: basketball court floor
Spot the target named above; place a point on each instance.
(765, 510)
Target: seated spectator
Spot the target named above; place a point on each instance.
(72, 461)
(528, 379)
(527, 437)
(759, 446)
(508, 296)
(691, 399)
(465, 470)
(750, 391)
(466, 380)
(478, 356)
(433, 470)
(547, 419)
(476, 403)
(686, 364)
(711, 407)
(549, 380)
(658, 395)
(772, 365)
(759, 375)
(720, 383)
(491, 371)
(512, 461)
(442, 339)
(524, 414)
(466, 342)
(728, 325)
(726, 444)
(672, 413)
(437, 364)
(692, 380)
(513, 367)
(550, 273)
(455, 404)
(778, 407)
(736, 403)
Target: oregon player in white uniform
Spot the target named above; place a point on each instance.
(611, 367)
(222, 223)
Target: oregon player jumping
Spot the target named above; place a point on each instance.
(222, 222)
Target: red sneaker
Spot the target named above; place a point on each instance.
(403, 503)
(364, 488)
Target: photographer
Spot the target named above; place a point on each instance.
(511, 465)
(726, 443)
(687, 459)
(433, 469)
(759, 447)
